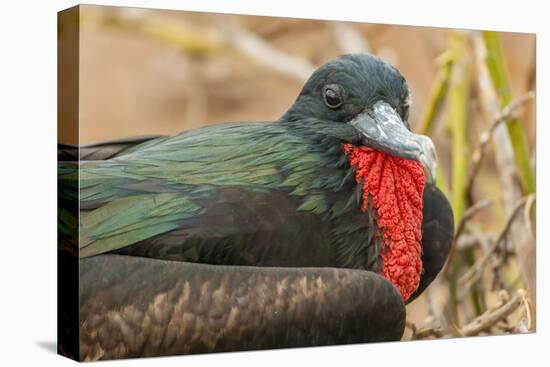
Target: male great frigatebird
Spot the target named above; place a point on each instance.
(314, 229)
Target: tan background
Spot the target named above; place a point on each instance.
(133, 83)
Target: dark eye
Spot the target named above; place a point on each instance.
(332, 95)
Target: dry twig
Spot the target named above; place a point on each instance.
(492, 100)
(469, 213)
(485, 138)
(423, 333)
(469, 240)
(475, 272)
(349, 39)
(261, 51)
(492, 317)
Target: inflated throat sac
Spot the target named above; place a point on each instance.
(395, 186)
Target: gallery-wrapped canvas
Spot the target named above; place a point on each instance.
(232, 183)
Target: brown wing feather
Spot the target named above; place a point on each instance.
(154, 307)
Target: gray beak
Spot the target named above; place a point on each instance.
(382, 129)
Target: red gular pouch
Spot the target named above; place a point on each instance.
(395, 186)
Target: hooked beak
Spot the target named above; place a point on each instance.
(382, 129)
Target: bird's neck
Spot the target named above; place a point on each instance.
(395, 186)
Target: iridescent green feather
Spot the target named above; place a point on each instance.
(149, 190)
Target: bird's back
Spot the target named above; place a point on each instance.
(252, 194)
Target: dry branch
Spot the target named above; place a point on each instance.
(262, 52)
(187, 40)
(469, 213)
(233, 35)
(426, 333)
(485, 138)
(470, 240)
(349, 39)
(496, 65)
(423, 333)
(475, 272)
(492, 317)
(505, 160)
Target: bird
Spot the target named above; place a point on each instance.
(314, 229)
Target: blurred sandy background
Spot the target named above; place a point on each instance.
(146, 72)
(136, 82)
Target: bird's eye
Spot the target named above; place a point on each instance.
(332, 95)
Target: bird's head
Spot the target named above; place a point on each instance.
(364, 92)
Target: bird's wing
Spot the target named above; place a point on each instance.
(105, 149)
(68, 157)
(198, 308)
(224, 183)
(67, 208)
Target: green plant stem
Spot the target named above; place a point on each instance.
(496, 66)
(458, 119)
(436, 100)
(438, 92)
